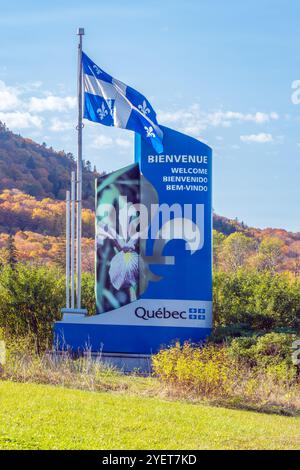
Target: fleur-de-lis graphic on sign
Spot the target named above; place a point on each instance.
(97, 70)
(149, 131)
(143, 108)
(102, 112)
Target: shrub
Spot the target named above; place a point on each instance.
(281, 373)
(31, 300)
(274, 348)
(242, 349)
(232, 374)
(88, 292)
(262, 351)
(221, 334)
(259, 301)
(209, 370)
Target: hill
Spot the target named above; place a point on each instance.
(38, 226)
(38, 170)
(22, 212)
(33, 183)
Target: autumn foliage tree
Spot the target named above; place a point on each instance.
(12, 253)
(270, 254)
(237, 248)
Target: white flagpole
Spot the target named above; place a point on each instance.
(80, 33)
(73, 198)
(68, 249)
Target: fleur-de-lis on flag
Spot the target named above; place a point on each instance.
(111, 106)
(111, 102)
(149, 131)
(97, 69)
(143, 108)
(102, 112)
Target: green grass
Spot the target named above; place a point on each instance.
(46, 417)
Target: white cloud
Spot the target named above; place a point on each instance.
(123, 143)
(20, 109)
(193, 120)
(8, 97)
(29, 86)
(58, 125)
(261, 138)
(220, 118)
(102, 141)
(52, 103)
(20, 120)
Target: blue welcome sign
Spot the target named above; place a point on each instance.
(154, 252)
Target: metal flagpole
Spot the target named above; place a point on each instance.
(68, 249)
(80, 33)
(73, 239)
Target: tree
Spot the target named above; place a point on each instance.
(270, 254)
(218, 241)
(70, 156)
(296, 266)
(60, 252)
(88, 166)
(30, 164)
(237, 248)
(12, 253)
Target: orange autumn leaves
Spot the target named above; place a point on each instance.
(38, 227)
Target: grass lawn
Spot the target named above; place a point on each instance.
(46, 417)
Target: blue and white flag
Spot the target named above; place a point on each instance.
(112, 103)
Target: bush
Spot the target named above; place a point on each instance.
(32, 297)
(242, 349)
(271, 349)
(244, 374)
(31, 300)
(209, 370)
(259, 301)
(221, 334)
(88, 293)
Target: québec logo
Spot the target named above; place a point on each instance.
(164, 314)
(197, 313)
(160, 313)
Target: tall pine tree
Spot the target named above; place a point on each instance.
(12, 253)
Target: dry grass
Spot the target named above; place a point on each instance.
(211, 374)
(262, 395)
(85, 373)
(239, 388)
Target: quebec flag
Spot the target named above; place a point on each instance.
(112, 103)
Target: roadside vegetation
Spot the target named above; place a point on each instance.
(255, 374)
(247, 362)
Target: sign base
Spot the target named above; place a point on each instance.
(139, 363)
(96, 333)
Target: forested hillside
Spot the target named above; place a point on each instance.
(38, 226)
(21, 212)
(38, 170)
(33, 182)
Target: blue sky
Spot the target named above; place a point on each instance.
(221, 71)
